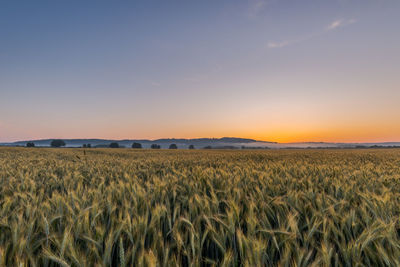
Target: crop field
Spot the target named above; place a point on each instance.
(125, 207)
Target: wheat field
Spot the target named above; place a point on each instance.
(125, 207)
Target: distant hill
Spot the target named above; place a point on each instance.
(217, 143)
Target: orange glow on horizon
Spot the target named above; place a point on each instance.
(278, 132)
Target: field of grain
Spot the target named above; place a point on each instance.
(124, 207)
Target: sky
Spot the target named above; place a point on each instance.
(274, 70)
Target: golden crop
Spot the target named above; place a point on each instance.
(104, 207)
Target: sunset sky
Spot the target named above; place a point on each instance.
(274, 70)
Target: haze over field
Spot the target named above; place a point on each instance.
(200, 143)
(276, 70)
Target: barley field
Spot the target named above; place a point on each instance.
(125, 207)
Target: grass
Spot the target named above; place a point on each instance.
(64, 207)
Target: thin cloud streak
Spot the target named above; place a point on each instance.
(334, 25)
(340, 23)
(279, 45)
(291, 42)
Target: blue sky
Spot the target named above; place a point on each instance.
(274, 70)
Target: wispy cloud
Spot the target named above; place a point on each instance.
(334, 25)
(340, 23)
(291, 42)
(278, 45)
(256, 7)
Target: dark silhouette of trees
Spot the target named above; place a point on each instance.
(155, 146)
(30, 144)
(173, 146)
(57, 143)
(114, 145)
(208, 147)
(136, 145)
(191, 147)
(86, 145)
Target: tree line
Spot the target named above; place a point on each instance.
(61, 143)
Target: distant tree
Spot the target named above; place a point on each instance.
(57, 143)
(88, 145)
(136, 145)
(207, 147)
(84, 146)
(191, 147)
(30, 144)
(173, 146)
(155, 146)
(114, 145)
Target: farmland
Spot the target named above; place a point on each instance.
(124, 207)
